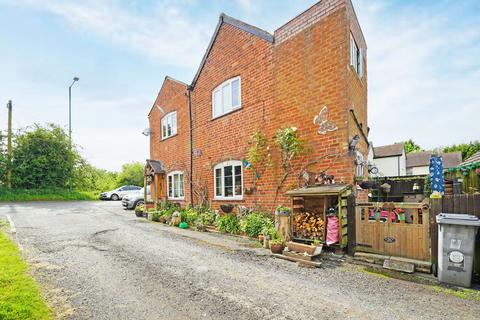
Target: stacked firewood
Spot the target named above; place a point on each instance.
(308, 225)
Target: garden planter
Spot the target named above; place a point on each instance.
(261, 237)
(302, 248)
(277, 247)
(183, 225)
(139, 214)
(226, 208)
(163, 219)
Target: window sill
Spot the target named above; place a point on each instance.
(227, 113)
(228, 198)
(173, 135)
(176, 199)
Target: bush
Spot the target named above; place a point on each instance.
(155, 216)
(206, 218)
(254, 223)
(228, 223)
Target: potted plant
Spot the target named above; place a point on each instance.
(277, 243)
(226, 208)
(139, 209)
(282, 211)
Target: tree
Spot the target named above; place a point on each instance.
(42, 158)
(132, 173)
(467, 149)
(90, 178)
(411, 146)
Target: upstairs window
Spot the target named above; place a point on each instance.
(228, 180)
(169, 125)
(356, 57)
(226, 97)
(175, 185)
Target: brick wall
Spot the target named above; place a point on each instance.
(173, 151)
(235, 53)
(285, 83)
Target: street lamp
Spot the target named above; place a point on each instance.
(75, 79)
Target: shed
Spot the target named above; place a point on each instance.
(312, 208)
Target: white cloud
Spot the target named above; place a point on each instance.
(166, 34)
(422, 72)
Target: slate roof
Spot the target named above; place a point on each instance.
(422, 159)
(156, 165)
(391, 150)
(474, 158)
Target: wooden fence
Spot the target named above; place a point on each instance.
(460, 203)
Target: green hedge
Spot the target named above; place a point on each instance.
(45, 194)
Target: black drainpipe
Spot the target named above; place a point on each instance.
(189, 89)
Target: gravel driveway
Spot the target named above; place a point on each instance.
(97, 261)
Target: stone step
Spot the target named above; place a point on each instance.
(397, 265)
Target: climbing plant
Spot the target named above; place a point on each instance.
(291, 146)
(259, 155)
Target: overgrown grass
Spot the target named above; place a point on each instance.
(19, 294)
(45, 194)
(462, 293)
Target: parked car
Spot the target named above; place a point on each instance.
(131, 201)
(119, 193)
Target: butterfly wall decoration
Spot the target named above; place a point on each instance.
(323, 123)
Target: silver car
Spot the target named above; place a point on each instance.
(131, 201)
(119, 193)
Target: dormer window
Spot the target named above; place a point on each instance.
(169, 125)
(226, 97)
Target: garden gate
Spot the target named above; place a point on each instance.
(393, 228)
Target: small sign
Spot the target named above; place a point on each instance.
(389, 239)
(197, 152)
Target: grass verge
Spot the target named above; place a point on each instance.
(45, 194)
(462, 293)
(19, 294)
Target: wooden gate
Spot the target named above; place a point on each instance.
(393, 228)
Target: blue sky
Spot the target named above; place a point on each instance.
(423, 65)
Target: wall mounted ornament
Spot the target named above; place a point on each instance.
(323, 123)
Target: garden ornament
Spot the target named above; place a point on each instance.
(322, 121)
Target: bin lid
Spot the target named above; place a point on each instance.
(458, 219)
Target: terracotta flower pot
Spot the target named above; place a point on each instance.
(261, 237)
(277, 247)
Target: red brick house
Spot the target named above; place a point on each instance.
(252, 80)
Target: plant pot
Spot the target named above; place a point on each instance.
(277, 247)
(139, 214)
(226, 208)
(183, 225)
(261, 237)
(163, 219)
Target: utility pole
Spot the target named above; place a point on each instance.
(75, 79)
(9, 146)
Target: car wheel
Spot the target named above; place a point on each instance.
(114, 197)
(139, 202)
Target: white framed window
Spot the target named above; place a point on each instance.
(175, 185)
(356, 57)
(228, 180)
(227, 97)
(169, 125)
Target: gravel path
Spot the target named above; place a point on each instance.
(96, 261)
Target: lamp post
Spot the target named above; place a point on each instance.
(75, 79)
